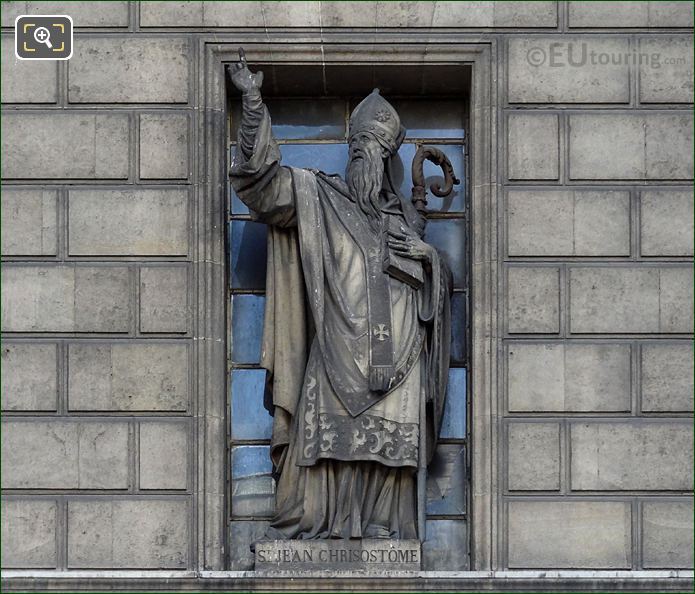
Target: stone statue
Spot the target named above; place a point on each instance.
(357, 329)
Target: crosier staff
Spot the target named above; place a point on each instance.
(430, 153)
(419, 200)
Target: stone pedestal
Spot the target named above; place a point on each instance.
(335, 555)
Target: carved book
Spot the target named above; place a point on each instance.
(404, 269)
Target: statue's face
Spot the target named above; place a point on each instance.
(363, 144)
(365, 172)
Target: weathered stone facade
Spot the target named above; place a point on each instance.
(113, 373)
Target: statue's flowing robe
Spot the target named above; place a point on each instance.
(346, 455)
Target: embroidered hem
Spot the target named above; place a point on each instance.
(367, 437)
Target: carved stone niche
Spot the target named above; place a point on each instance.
(437, 58)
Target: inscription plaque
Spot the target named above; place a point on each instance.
(355, 554)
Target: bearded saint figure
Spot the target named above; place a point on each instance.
(356, 332)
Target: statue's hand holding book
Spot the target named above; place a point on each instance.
(404, 254)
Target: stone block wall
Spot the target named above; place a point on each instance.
(98, 430)
(597, 245)
(101, 276)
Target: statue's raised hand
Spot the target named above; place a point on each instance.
(242, 78)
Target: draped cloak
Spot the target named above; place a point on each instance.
(345, 455)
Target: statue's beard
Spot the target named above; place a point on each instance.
(365, 174)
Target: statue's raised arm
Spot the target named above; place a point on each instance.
(256, 175)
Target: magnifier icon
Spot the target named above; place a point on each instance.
(43, 35)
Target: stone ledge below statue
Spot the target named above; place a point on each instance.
(363, 555)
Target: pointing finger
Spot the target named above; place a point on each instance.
(242, 56)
